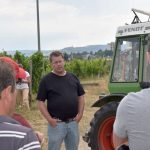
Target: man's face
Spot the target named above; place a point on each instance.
(58, 64)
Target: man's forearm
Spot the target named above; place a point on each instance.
(81, 106)
(43, 109)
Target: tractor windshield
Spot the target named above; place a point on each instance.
(146, 65)
(126, 62)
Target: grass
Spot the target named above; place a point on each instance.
(93, 88)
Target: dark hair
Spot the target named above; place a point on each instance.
(7, 76)
(55, 54)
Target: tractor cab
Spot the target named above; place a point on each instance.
(131, 62)
(130, 72)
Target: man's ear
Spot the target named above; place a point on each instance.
(6, 93)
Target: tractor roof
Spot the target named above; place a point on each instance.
(136, 27)
(133, 29)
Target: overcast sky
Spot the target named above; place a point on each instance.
(63, 23)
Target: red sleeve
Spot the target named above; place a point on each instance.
(21, 120)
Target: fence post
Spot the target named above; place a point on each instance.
(30, 85)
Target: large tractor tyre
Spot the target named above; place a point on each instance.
(100, 134)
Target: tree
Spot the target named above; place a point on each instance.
(37, 66)
(21, 59)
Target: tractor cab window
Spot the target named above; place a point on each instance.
(146, 66)
(126, 60)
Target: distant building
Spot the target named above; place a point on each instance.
(112, 45)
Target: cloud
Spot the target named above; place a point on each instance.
(63, 22)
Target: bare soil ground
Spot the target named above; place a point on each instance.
(93, 89)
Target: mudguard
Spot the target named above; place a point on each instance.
(104, 99)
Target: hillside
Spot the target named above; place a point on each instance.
(68, 50)
(89, 48)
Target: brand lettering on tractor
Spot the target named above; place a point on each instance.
(129, 30)
(133, 29)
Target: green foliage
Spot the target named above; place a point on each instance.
(106, 53)
(88, 68)
(96, 67)
(37, 69)
(47, 68)
(4, 53)
(21, 59)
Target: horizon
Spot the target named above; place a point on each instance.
(52, 49)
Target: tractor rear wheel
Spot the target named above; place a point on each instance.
(100, 134)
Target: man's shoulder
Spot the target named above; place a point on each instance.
(131, 95)
(50, 74)
(137, 95)
(69, 74)
(47, 76)
(13, 129)
(13, 125)
(20, 135)
(134, 99)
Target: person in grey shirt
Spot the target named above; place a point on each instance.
(132, 121)
(13, 136)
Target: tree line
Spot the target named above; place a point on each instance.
(89, 55)
(38, 66)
